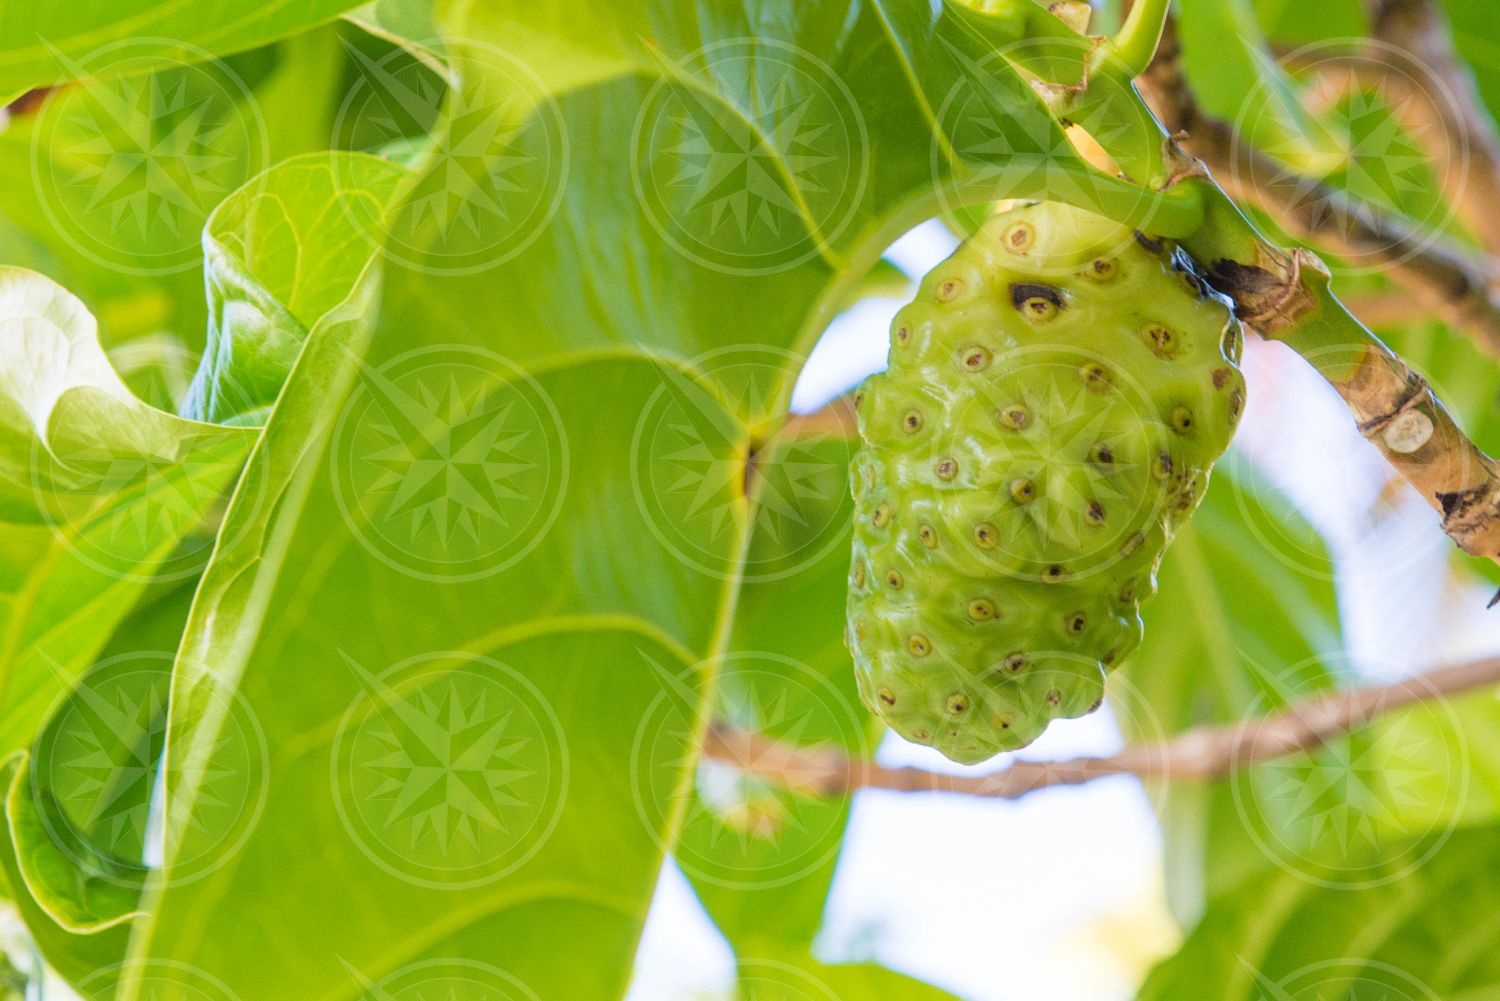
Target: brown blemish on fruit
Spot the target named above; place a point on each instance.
(1035, 301)
(981, 609)
(946, 469)
(1053, 697)
(887, 696)
(1222, 376)
(949, 289)
(958, 703)
(903, 335)
(1162, 467)
(1075, 623)
(1160, 339)
(1102, 270)
(1094, 513)
(1014, 417)
(1014, 663)
(974, 359)
(1101, 455)
(1019, 238)
(1096, 378)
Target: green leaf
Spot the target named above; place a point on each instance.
(1237, 628)
(761, 856)
(793, 978)
(280, 253)
(1235, 77)
(100, 494)
(45, 44)
(1428, 935)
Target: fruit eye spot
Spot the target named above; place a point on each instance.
(947, 469)
(1004, 722)
(912, 422)
(1101, 270)
(1015, 418)
(950, 289)
(1102, 455)
(981, 609)
(1022, 491)
(1095, 377)
(928, 535)
(882, 516)
(1162, 468)
(1095, 513)
(1161, 340)
(918, 645)
(975, 359)
(903, 334)
(985, 535)
(1019, 238)
(1128, 591)
(1181, 420)
(1075, 623)
(1035, 301)
(1014, 663)
(1221, 377)
(958, 703)
(1054, 697)
(1054, 574)
(921, 733)
(887, 696)
(1109, 658)
(894, 578)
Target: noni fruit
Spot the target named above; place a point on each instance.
(1055, 397)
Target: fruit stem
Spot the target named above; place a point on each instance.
(1286, 295)
(1132, 47)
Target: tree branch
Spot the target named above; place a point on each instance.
(1451, 285)
(1422, 40)
(1199, 754)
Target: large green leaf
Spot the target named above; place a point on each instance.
(1429, 935)
(43, 44)
(1235, 630)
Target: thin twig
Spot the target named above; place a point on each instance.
(835, 420)
(1199, 754)
(1451, 285)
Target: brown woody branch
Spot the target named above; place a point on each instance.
(1200, 754)
(1444, 110)
(1447, 282)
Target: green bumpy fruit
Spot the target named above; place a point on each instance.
(1056, 396)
